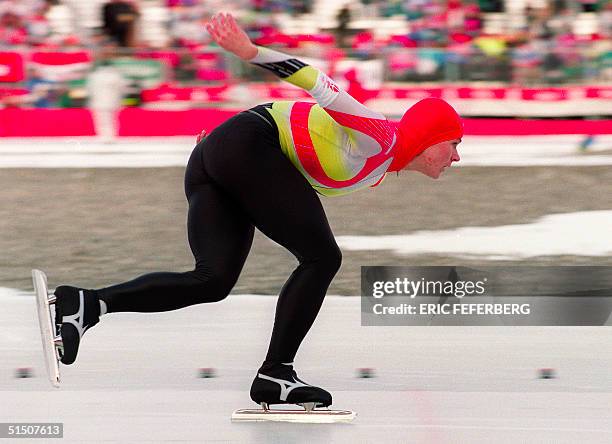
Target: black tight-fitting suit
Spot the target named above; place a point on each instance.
(237, 179)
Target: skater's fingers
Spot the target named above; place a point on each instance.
(226, 24)
(210, 27)
(231, 21)
(226, 32)
(234, 25)
(213, 30)
(201, 136)
(213, 34)
(220, 20)
(222, 29)
(215, 22)
(211, 22)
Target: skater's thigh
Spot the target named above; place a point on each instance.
(293, 217)
(278, 199)
(220, 233)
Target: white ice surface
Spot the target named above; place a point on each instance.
(174, 151)
(135, 378)
(585, 233)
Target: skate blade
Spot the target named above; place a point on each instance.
(301, 416)
(50, 341)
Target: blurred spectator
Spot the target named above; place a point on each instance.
(37, 23)
(558, 6)
(589, 5)
(473, 19)
(605, 20)
(61, 21)
(12, 28)
(40, 90)
(364, 45)
(175, 3)
(187, 68)
(106, 88)
(491, 5)
(119, 17)
(343, 18)
(454, 14)
(300, 6)
(20, 8)
(443, 39)
(187, 26)
(39, 28)
(527, 61)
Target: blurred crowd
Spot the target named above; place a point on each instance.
(156, 41)
(179, 23)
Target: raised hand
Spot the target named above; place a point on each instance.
(224, 30)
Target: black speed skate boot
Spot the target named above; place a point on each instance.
(76, 311)
(279, 384)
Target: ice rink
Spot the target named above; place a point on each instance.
(537, 201)
(136, 379)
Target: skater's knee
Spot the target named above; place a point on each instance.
(327, 259)
(213, 287)
(334, 258)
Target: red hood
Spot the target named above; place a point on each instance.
(426, 123)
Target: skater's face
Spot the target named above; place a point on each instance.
(435, 159)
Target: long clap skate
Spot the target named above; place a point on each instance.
(280, 385)
(76, 311)
(50, 340)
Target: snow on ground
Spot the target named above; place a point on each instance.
(585, 233)
(159, 152)
(135, 379)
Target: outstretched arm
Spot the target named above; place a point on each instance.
(369, 132)
(228, 34)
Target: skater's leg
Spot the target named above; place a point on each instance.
(220, 237)
(283, 205)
